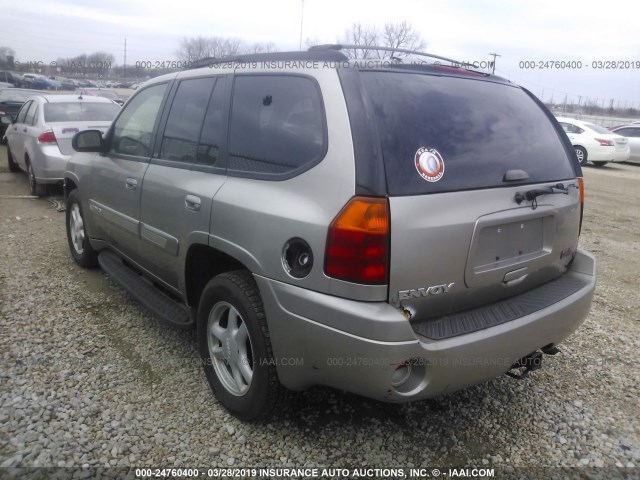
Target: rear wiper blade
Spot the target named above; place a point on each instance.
(532, 195)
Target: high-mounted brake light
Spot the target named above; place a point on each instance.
(358, 242)
(581, 185)
(604, 142)
(47, 137)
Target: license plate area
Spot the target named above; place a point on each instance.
(506, 241)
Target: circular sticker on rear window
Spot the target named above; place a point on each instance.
(429, 164)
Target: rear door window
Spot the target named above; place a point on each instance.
(23, 112)
(277, 125)
(569, 128)
(442, 133)
(30, 118)
(213, 128)
(180, 139)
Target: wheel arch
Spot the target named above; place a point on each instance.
(70, 183)
(202, 263)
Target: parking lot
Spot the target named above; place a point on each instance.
(88, 377)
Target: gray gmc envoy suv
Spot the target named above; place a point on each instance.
(396, 230)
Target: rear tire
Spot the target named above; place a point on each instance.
(35, 188)
(600, 164)
(581, 153)
(79, 245)
(13, 166)
(236, 348)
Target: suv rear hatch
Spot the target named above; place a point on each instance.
(457, 150)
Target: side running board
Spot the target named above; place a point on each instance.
(161, 305)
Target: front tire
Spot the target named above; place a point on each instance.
(236, 348)
(581, 153)
(79, 245)
(13, 166)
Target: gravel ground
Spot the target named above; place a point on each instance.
(87, 377)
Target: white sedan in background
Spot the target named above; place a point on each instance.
(595, 144)
(39, 136)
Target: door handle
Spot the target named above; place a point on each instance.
(131, 183)
(191, 202)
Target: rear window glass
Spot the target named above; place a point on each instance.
(597, 128)
(79, 112)
(442, 134)
(15, 95)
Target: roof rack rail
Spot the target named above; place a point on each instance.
(319, 55)
(338, 46)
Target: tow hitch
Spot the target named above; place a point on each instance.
(530, 363)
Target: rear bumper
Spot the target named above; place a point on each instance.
(608, 154)
(357, 346)
(49, 164)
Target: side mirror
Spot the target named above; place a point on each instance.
(6, 120)
(88, 141)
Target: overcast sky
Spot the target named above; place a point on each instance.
(541, 30)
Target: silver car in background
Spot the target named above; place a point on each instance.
(632, 133)
(39, 136)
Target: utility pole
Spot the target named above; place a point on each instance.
(301, 20)
(124, 68)
(494, 55)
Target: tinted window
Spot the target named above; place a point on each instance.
(133, 129)
(443, 133)
(80, 111)
(23, 112)
(29, 119)
(185, 120)
(628, 132)
(597, 128)
(213, 128)
(277, 124)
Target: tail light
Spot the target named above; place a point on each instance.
(604, 142)
(2, 113)
(358, 242)
(47, 137)
(581, 185)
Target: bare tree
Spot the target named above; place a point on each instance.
(402, 35)
(194, 48)
(99, 63)
(223, 47)
(362, 35)
(267, 47)
(5, 53)
(399, 35)
(197, 48)
(312, 42)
